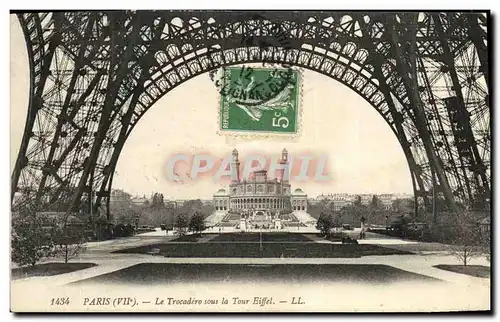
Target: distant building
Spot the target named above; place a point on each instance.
(259, 194)
(221, 200)
(386, 200)
(299, 200)
(366, 199)
(139, 201)
(179, 202)
(341, 200)
(170, 204)
(118, 195)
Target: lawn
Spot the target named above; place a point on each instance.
(186, 239)
(471, 270)
(166, 273)
(266, 237)
(48, 269)
(269, 250)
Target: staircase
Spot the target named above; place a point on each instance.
(304, 217)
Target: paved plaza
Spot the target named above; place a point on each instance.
(421, 262)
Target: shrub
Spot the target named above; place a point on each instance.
(324, 224)
(119, 230)
(31, 240)
(129, 230)
(336, 236)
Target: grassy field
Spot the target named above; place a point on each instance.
(266, 237)
(48, 269)
(471, 270)
(275, 249)
(165, 273)
(188, 238)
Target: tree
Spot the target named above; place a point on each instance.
(152, 216)
(331, 207)
(467, 238)
(323, 206)
(397, 205)
(157, 201)
(190, 207)
(406, 205)
(127, 215)
(375, 211)
(357, 201)
(375, 203)
(324, 224)
(31, 239)
(181, 223)
(196, 223)
(352, 213)
(69, 236)
(123, 209)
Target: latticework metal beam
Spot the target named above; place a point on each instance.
(95, 74)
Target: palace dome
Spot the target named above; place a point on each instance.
(299, 192)
(221, 192)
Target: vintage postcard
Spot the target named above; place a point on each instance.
(250, 161)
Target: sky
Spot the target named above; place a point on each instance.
(362, 153)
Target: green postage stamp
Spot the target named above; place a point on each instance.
(259, 100)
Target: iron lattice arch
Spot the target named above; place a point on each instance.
(95, 74)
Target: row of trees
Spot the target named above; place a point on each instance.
(195, 223)
(464, 231)
(155, 212)
(375, 212)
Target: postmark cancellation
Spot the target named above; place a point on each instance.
(259, 101)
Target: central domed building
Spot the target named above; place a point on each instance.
(259, 198)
